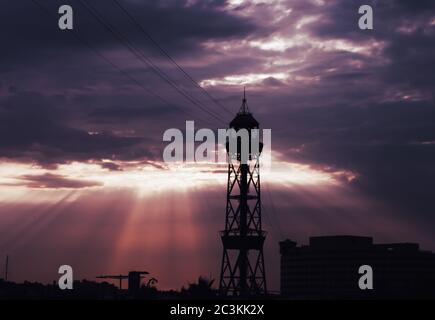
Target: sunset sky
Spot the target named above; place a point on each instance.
(82, 179)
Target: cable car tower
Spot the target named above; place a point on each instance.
(242, 270)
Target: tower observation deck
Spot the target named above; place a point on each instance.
(242, 269)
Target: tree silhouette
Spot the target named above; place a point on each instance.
(203, 288)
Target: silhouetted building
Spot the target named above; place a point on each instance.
(328, 269)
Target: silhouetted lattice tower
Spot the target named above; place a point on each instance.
(242, 270)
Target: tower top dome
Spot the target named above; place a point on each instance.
(244, 119)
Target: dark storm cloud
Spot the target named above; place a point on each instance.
(378, 120)
(35, 129)
(185, 26)
(80, 94)
(55, 181)
(272, 82)
(368, 110)
(120, 113)
(405, 26)
(413, 55)
(111, 166)
(340, 18)
(390, 146)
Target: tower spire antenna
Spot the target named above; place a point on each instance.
(244, 108)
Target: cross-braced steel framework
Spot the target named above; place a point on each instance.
(242, 270)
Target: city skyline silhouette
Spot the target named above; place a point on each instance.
(83, 113)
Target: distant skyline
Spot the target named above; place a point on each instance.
(82, 181)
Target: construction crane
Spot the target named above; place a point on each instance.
(114, 277)
(134, 279)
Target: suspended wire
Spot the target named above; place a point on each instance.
(95, 13)
(115, 66)
(167, 55)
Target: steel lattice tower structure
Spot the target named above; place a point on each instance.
(242, 269)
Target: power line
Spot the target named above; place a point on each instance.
(165, 53)
(95, 13)
(115, 66)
